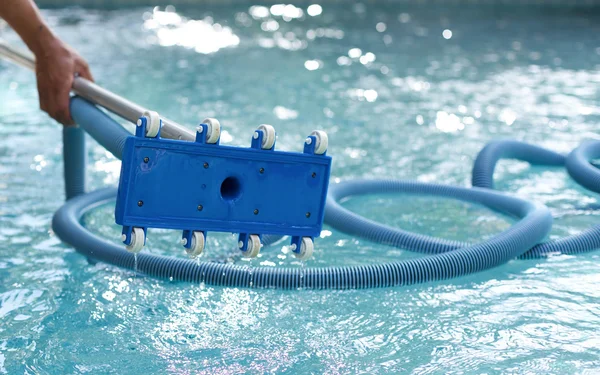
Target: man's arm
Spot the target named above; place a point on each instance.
(56, 63)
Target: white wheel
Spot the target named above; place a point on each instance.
(152, 123)
(268, 136)
(197, 247)
(137, 240)
(213, 131)
(306, 249)
(321, 142)
(253, 247)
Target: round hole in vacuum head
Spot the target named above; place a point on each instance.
(231, 188)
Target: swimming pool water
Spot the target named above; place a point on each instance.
(408, 92)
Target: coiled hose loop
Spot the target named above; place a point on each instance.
(488, 157)
(579, 168)
(535, 224)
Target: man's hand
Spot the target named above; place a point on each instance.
(56, 65)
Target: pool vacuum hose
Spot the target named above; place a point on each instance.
(446, 259)
(579, 168)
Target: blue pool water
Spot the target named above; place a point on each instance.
(407, 92)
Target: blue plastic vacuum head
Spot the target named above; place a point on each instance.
(203, 186)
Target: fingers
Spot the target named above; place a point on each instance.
(83, 70)
(43, 93)
(54, 95)
(61, 110)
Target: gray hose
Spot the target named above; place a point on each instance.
(448, 261)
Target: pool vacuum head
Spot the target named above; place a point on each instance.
(203, 186)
